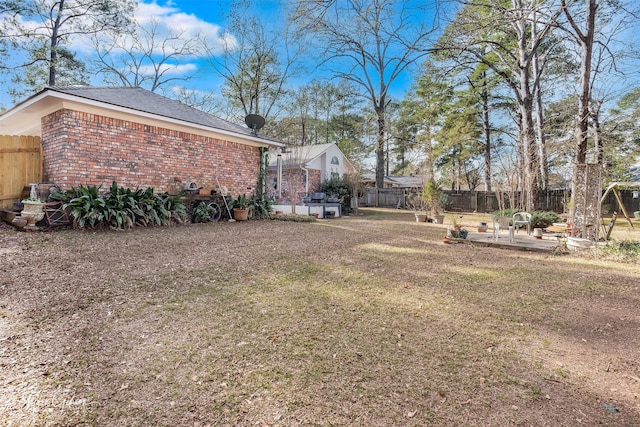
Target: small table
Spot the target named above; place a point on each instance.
(559, 230)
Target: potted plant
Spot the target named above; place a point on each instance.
(457, 233)
(241, 208)
(432, 197)
(417, 206)
(454, 223)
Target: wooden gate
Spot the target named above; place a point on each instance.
(20, 165)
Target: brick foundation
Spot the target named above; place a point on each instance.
(88, 149)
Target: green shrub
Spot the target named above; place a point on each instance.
(87, 207)
(121, 208)
(174, 206)
(507, 212)
(67, 195)
(539, 219)
(544, 219)
(203, 212)
(432, 197)
(340, 188)
(293, 218)
(240, 202)
(261, 207)
(625, 250)
(152, 207)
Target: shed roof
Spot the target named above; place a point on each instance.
(398, 181)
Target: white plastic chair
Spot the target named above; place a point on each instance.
(502, 223)
(521, 219)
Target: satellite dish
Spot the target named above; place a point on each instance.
(254, 122)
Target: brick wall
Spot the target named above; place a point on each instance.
(82, 148)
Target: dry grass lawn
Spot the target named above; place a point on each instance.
(368, 321)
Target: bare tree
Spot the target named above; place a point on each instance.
(506, 37)
(585, 38)
(370, 43)
(256, 61)
(594, 26)
(42, 31)
(145, 57)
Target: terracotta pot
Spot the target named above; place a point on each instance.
(240, 214)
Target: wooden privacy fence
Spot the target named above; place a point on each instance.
(20, 165)
(482, 201)
(383, 197)
(467, 201)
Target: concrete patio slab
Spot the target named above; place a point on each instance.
(521, 241)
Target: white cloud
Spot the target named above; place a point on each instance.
(168, 69)
(170, 20)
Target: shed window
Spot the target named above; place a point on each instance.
(335, 161)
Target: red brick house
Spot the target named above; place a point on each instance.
(96, 135)
(301, 169)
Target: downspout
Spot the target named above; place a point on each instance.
(306, 179)
(279, 177)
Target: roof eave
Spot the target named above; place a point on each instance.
(62, 96)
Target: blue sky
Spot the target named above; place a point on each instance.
(208, 16)
(200, 17)
(203, 17)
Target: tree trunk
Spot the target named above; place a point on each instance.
(586, 46)
(520, 165)
(53, 54)
(380, 148)
(597, 131)
(542, 141)
(486, 127)
(582, 127)
(428, 150)
(525, 101)
(537, 94)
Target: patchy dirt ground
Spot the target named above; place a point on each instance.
(369, 320)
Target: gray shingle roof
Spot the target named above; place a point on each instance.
(399, 181)
(140, 99)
